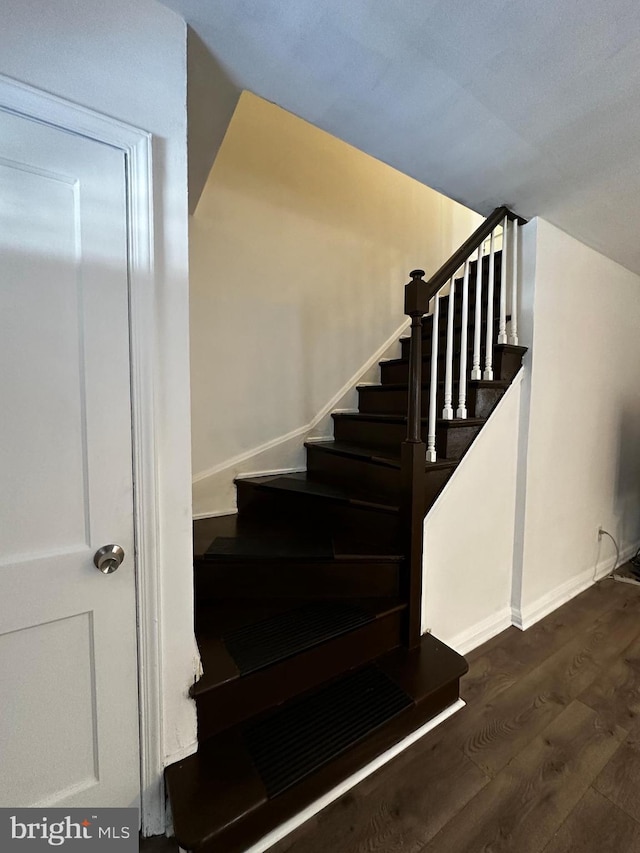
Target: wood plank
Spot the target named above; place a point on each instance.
(616, 692)
(527, 802)
(490, 674)
(596, 826)
(620, 779)
(497, 732)
(399, 808)
(544, 638)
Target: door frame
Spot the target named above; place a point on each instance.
(137, 146)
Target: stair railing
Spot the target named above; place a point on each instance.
(416, 454)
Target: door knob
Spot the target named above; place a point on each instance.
(108, 558)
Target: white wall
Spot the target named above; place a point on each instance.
(128, 60)
(469, 536)
(300, 247)
(580, 445)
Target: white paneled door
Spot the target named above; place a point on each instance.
(68, 667)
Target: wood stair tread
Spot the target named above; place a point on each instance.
(371, 454)
(277, 631)
(241, 540)
(221, 801)
(301, 484)
(375, 417)
(402, 386)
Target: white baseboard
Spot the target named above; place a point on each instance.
(246, 475)
(296, 821)
(232, 510)
(482, 631)
(525, 617)
(302, 431)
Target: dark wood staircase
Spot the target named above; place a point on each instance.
(312, 664)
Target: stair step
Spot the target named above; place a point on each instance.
(283, 539)
(396, 370)
(263, 562)
(389, 431)
(312, 731)
(266, 642)
(242, 784)
(265, 661)
(370, 467)
(301, 485)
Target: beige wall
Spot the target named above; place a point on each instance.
(300, 247)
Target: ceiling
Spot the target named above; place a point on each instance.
(531, 104)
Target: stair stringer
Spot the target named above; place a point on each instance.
(467, 578)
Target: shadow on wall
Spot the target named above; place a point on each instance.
(627, 486)
(212, 97)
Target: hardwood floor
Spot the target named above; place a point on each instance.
(545, 757)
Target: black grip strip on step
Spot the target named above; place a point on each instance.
(271, 640)
(310, 732)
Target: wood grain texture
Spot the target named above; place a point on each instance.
(521, 809)
(616, 691)
(619, 781)
(498, 731)
(401, 807)
(596, 826)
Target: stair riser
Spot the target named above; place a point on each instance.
(457, 308)
(398, 373)
(242, 698)
(344, 470)
(304, 579)
(442, 342)
(380, 526)
(450, 443)
(482, 401)
(454, 443)
(395, 402)
(506, 365)
(370, 433)
(253, 499)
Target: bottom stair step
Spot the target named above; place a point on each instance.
(246, 781)
(299, 739)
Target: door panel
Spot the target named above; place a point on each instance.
(67, 632)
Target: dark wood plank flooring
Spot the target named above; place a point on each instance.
(545, 757)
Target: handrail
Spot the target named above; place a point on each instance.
(456, 260)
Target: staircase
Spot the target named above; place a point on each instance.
(308, 601)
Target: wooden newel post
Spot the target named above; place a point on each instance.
(413, 455)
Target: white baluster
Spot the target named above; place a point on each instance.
(433, 386)
(476, 373)
(502, 328)
(488, 354)
(462, 388)
(447, 412)
(513, 337)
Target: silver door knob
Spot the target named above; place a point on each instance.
(108, 558)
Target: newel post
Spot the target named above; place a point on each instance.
(413, 455)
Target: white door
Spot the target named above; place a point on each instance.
(68, 666)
